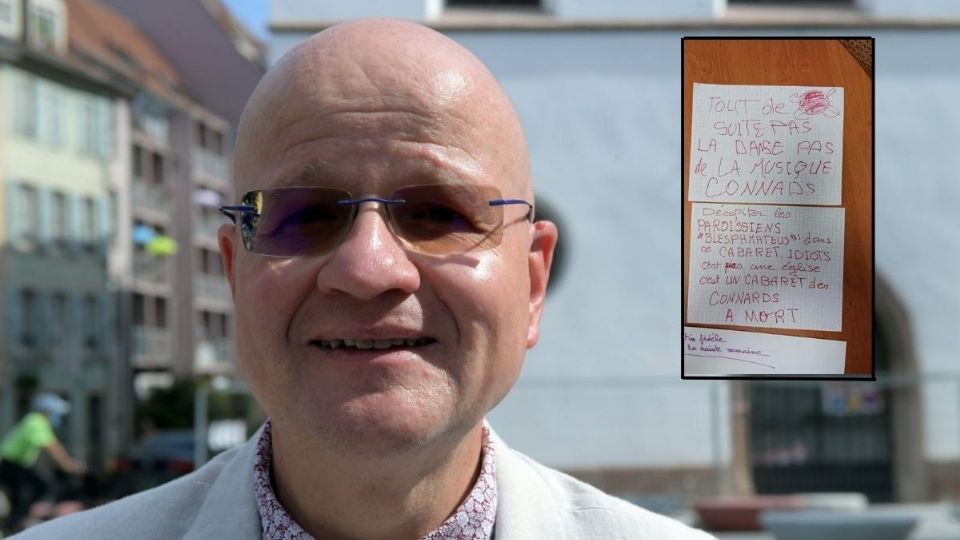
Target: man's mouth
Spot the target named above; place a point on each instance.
(365, 344)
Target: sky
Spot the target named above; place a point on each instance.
(252, 13)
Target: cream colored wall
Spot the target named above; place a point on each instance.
(61, 170)
(64, 167)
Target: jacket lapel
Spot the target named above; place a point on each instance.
(526, 506)
(229, 509)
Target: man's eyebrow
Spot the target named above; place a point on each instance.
(319, 172)
(308, 174)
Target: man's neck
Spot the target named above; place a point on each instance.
(403, 496)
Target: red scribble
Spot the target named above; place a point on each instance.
(814, 102)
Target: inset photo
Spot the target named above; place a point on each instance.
(778, 214)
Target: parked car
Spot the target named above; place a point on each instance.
(159, 459)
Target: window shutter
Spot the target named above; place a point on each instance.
(74, 222)
(15, 211)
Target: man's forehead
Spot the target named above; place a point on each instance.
(383, 58)
(373, 79)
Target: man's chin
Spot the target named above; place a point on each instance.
(377, 425)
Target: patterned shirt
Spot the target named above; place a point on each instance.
(472, 520)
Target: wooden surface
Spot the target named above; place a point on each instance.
(804, 63)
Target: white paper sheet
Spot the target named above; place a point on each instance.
(766, 144)
(715, 352)
(765, 265)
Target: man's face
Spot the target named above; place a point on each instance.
(474, 314)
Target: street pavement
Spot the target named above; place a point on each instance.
(937, 521)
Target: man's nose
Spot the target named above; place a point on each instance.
(370, 260)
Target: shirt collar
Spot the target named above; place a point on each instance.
(472, 520)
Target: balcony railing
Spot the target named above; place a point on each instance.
(213, 355)
(209, 164)
(150, 268)
(207, 224)
(150, 195)
(211, 287)
(151, 345)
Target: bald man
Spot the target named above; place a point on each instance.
(388, 276)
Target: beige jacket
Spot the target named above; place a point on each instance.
(217, 502)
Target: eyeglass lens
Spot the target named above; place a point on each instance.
(433, 219)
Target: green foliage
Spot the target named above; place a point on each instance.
(169, 408)
(173, 408)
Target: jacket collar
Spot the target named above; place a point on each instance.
(527, 507)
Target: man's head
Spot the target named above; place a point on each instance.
(369, 107)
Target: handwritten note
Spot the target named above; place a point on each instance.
(766, 144)
(718, 352)
(766, 265)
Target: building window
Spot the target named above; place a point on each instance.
(91, 315)
(49, 114)
(88, 125)
(160, 306)
(210, 263)
(157, 168)
(792, 3)
(201, 134)
(207, 329)
(6, 13)
(43, 28)
(139, 311)
(28, 216)
(89, 234)
(157, 127)
(58, 322)
(9, 25)
(493, 3)
(217, 144)
(29, 313)
(96, 127)
(46, 27)
(223, 325)
(25, 107)
(137, 162)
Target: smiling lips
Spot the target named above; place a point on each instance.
(371, 343)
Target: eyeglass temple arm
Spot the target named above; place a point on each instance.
(229, 211)
(503, 202)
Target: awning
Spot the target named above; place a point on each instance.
(208, 198)
(162, 246)
(142, 235)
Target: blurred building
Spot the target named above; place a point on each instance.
(597, 86)
(113, 172)
(218, 59)
(62, 127)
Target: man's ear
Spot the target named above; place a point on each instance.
(226, 238)
(542, 243)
